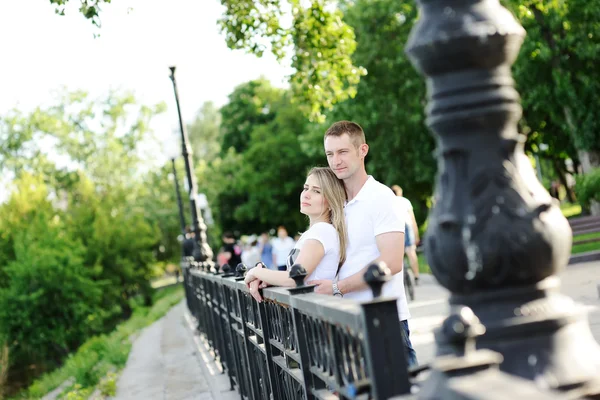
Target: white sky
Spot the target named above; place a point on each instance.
(139, 40)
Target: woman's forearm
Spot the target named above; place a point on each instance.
(274, 278)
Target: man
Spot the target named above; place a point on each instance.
(282, 246)
(411, 231)
(375, 225)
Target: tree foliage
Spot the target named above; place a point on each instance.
(390, 100)
(313, 33)
(250, 104)
(78, 234)
(90, 9)
(557, 73)
(256, 182)
(204, 133)
(49, 302)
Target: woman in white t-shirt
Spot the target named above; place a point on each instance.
(321, 250)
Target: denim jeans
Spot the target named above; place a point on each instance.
(411, 355)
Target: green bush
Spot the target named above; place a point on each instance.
(108, 384)
(588, 188)
(95, 362)
(78, 393)
(49, 304)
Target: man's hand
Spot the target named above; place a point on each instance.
(324, 286)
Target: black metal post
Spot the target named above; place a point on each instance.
(202, 251)
(179, 202)
(386, 352)
(495, 239)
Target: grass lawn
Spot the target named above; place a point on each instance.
(97, 362)
(582, 248)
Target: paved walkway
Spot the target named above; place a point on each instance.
(579, 281)
(167, 361)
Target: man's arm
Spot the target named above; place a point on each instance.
(391, 249)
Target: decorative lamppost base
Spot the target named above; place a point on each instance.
(542, 334)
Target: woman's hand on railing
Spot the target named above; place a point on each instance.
(253, 286)
(250, 276)
(253, 283)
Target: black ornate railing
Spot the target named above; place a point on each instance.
(296, 344)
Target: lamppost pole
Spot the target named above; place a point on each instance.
(179, 202)
(202, 252)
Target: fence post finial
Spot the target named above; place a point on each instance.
(298, 273)
(240, 271)
(376, 275)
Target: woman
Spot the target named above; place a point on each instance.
(321, 250)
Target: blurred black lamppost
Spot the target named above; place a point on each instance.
(179, 202)
(202, 251)
(495, 239)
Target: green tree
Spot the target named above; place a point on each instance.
(93, 173)
(255, 184)
(89, 8)
(158, 199)
(119, 239)
(49, 302)
(204, 134)
(318, 40)
(250, 104)
(390, 100)
(221, 182)
(274, 171)
(558, 77)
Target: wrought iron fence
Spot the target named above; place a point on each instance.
(297, 344)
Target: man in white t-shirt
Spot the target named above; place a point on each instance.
(282, 246)
(375, 225)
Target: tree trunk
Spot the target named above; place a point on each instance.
(589, 159)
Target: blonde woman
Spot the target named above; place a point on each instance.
(321, 250)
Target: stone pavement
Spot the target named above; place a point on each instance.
(579, 281)
(167, 361)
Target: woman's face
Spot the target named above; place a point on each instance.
(312, 201)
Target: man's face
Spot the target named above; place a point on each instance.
(343, 157)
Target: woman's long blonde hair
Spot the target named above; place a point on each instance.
(335, 194)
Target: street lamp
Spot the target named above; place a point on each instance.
(202, 252)
(172, 152)
(495, 238)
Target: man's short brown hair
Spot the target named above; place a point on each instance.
(356, 133)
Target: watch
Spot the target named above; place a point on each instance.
(336, 290)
